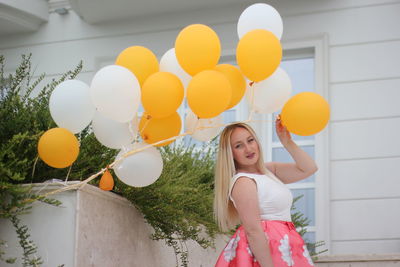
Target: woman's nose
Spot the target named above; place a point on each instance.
(246, 148)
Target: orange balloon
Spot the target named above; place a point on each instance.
(237, 81)
(305, 114)
(106, 181)
(139, 60)
(209, 94)
(197, 48)
(162, 94)
(258, 54)
(58, 148)
(154, 130)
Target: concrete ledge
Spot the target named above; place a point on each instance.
(367, 260)
(359, 258)
(95, 228)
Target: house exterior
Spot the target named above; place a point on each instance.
(354, 47)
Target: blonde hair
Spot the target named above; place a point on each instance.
(224, 211)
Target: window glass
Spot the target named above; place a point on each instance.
(280, 154)
(309, 237)
(306, 204)
(229, 116)
(301, 73)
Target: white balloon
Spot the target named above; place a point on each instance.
(111, 133)
(71, 106)
(169, 63)
(260, 16)
(115, 92)
(194, 124)
(140, 169)
(271, 94)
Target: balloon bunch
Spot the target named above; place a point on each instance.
(190, 70)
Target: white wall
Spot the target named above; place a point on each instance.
(363, 186)
(95, 228)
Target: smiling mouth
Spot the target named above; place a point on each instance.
(250, 156)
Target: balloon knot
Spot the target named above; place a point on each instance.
(148, 117)
(251, 83)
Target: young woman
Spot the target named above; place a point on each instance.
(253, 193)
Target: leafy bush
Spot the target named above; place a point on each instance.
(178, 205)
(23, 120)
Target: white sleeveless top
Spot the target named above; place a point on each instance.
(274, 197)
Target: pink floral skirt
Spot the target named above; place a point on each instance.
(286, 245)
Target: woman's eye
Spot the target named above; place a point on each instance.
(251, 140)
(237, 146)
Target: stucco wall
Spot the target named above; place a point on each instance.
(96, 228)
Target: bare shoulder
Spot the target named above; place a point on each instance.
(244, 191)
(244, 180)
(244, 184)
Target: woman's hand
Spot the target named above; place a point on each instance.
(303, 166)
(282, 132)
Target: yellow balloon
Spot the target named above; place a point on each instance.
(209, 94)
(139, 60)
(154, 130)
(305, 114)
(162, 94)
(237, 81)
(258, 54)
(106, 181)
(197, 48)
(58, 148)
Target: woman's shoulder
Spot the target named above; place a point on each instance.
(253, 176)
(244, 175)
(268, 176)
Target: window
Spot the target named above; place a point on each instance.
(301, 73)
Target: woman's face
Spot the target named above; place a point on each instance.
(244, 149)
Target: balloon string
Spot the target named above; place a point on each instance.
(251, 115)
(251, 100)
(130, 128)
(251, 93)
(148, 118)
(196, 126)
(69, 171)
(34, 168)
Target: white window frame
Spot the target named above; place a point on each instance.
(317, 46)
(320, 47)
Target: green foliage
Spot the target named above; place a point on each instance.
(301, 222)
(24, 118)
(29, 248)
(179, 204)
(7, 260)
